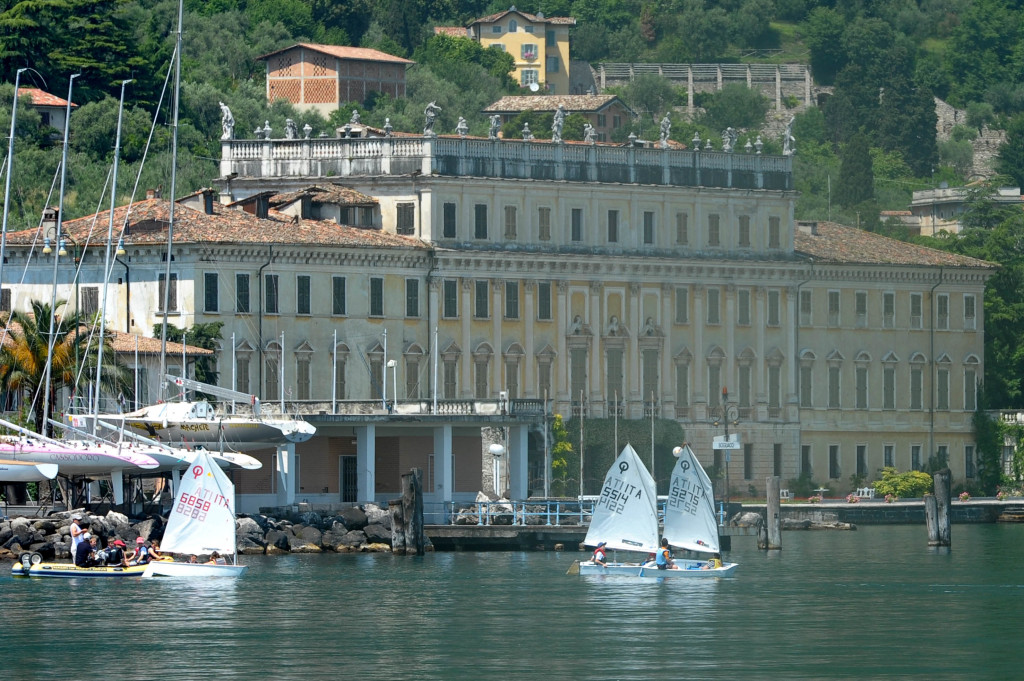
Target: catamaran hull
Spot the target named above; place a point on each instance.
(209, 432)
(684, 568)
(27, 472)
(196, 570)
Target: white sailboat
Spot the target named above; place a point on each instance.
(202, 521)
(20, 471)
(626, 517)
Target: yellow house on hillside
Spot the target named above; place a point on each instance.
(539, 45)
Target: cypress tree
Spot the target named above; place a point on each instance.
(856, 177)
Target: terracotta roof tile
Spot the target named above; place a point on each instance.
(491, 18)
(519, 103)
(334, 193)
(346, 52)
(125, 343)
(42, 98)
(834, 243)
(148, 225)
(456, 31)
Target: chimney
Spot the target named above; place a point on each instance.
(50, 218)
(208, 201)
(807, 227)
(150, 193)
(262, 205)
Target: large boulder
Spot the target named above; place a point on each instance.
(350, 541)
(277, 542)
(354, 518)
(247, 528)
(748, 519)
(5, 532)
(249, 547)
(308, 534)
(46, 526)
(150, 528)
(376, 514)
(115, 518)
(311, 518)
(377, 533)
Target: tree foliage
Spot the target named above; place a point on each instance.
(907, 485)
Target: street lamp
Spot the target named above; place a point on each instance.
(497, 451)
(393, 365)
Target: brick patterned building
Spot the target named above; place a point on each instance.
(323, 77)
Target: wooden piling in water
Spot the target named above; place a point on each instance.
(943, 519)
(772, 520)
(407, 536)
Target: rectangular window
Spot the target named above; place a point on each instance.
(577, 374)
(806, 384)
(449, 229)
(242, 293)
(338, 296)
(650, 376)
(613, 381)
(481, 290)
(889, 387)
(616, 121)
(744, 236)
(682, 229)
(211, 292)
(451, 369)
(412, 379)
(774, 391)
(748, 461)
(805, 308)
(714, 385)
(5, 300)
(529, 76)
(544, 380)
(916, 383)
(889, 456)
(833, 308)
(271, 291)
(510, 223)
(171, 292)
(682, 386)
(860, 304)
(450, 295)
(576, 229)
(648, 227)
(242, 373)
(915, 457)
(743, 307)
(544, 224)
(480, 382)
(376, 297)
(376, 370)
(777, 459)
(942, 312)
(682, 305)
(805, 460)
(862, 461)
(613, 226)
(406, 219)
(888, 310)
(915, 310)
(412, 298)
(970, 319)
(744, 396)
(512, 379)
(303, 290)
(942, 389)
(544, 301)
(552, 64)
(89, 303)
(714, 308)
(272, 381)
(834, 471)
(339, 378)
(528, 51)
(833, 388)
(774, 233)
(549, 38)
(970, 390)
(302, 377)
(969, 467)
(511, 300)
(480, 221)
(774, 309)
(862, 387)
(602, 121)
(714, 238)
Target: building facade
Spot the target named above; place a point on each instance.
(606, 113)
(539, 45)
(323, 77)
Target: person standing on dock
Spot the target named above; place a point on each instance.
(599, 555)
(76, 534)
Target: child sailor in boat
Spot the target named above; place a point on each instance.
(663, 557)
(600, 557)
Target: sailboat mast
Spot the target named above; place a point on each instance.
(170, 215)
(106, 257)
(7, 180)
(56, 256)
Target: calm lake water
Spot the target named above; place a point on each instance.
(872, 604)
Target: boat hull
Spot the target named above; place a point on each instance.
(71, 570)
(194, 570)
(684, 568)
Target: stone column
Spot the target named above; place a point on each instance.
(635, 324)
(561, 379)
(729, 321)
(518, 480)
(529, 361)
(497, 314)
(759, 388)
(668, 397)
(285, 474)
(466, 372)
(444, 464)
(791, 320)
(595, 373)
(698, 372)
(366, 462)
(433, 315)
(778, 88)
(689, 89)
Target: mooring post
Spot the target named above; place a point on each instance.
(773, 520)
(931, 519)
(942, 500)
(397, 527)
(412, 509)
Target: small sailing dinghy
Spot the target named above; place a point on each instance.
(626, 518)
(202, 521)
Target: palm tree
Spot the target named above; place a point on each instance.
(24, 354)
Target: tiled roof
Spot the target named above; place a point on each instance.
(41, 98)
(148, 225)
(345, 52)
(125, 343)
(490, 19)
(457, 31)
(834, 243)
(519, 103)
(334, 193)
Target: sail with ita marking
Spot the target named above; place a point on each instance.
(690, 521)
(202, 519)
(626, 514)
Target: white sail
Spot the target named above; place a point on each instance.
(626, 513)
(202, 519)
(690, 521)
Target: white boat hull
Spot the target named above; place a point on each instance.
(684, 568)
(197, 570)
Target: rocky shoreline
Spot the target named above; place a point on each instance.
(365, 528)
